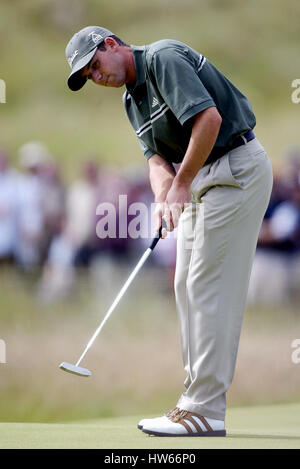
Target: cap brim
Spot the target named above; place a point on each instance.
(75, 80)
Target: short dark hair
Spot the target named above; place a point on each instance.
(102, 46)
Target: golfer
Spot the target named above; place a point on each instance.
(184, 110)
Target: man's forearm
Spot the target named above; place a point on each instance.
(204, 134)
(161, 175)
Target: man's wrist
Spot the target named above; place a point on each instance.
(160, 199)
(183, 180)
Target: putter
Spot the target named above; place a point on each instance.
(78, 370)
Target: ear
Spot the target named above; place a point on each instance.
(110, 42)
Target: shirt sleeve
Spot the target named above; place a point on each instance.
(175, 73)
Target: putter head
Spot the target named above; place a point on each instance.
(76, 370)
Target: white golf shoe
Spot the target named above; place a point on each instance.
(179, 422)
(145, 422)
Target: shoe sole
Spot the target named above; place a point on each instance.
(212, 434)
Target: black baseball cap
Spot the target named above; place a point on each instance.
(81, 49)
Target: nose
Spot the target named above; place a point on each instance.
(96, 76)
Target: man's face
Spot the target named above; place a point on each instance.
(107, 68)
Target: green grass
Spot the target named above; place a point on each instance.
(272, 427)
(136, 360)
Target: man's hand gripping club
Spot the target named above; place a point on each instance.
(172, 191)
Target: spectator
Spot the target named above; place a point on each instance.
(58, 274)
(81, 205)
(8, 186)
(115, 192)
(30, 195)
(70, 220)
(53, 205)
(275, 275)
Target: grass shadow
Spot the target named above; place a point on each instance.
(262, 436)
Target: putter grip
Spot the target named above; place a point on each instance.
(156, 238)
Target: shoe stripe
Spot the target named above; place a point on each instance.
(197, 419)
(186, 426)
(203, 420)
(194, 422)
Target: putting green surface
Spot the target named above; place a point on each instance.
(248, 427)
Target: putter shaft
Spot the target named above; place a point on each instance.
(115, 303)
(83, 371)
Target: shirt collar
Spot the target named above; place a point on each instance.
(138, 52)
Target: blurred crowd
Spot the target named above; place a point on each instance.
(275, 277)
(52, 228)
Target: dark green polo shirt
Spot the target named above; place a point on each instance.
(174, 83)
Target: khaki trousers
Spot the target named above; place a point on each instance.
(217, 237)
